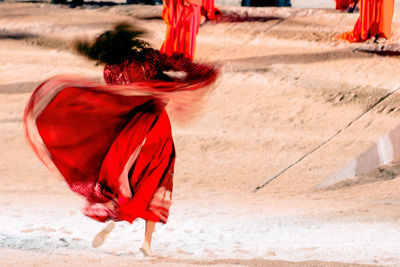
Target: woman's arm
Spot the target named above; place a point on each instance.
(185, 70)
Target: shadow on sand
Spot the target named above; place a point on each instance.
(233, 17)
(16, 36)
(229, 17)
(262, 62)
(76, 3)
(383, 52)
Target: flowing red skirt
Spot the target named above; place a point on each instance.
(375, 20)
(112, 144)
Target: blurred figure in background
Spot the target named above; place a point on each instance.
(183, 19)
(375, 21)
(183, 22)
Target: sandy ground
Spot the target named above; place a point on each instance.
(287, 86)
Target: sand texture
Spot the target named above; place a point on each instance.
(290, 94)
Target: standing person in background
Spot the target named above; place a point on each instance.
(183, 22)
(375, 21)
(183, 19)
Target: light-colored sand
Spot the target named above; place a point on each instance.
(287, 86)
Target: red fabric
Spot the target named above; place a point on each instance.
(112, 143)
(210, 11)
(343, 4)
(183, 23)
(375, 20)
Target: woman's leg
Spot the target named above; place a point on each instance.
(146, 247)
(101, 236)
(150, 226)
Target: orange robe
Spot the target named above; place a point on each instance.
(210, 11)
(343, 4)
(375, 20)
(183, 22)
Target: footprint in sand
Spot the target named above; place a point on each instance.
(241, 250)
(308, 248)
(387, 109)
(209, 251)
(41, 229)
(270, 253)
(184, 252)
(342, 97)
(64, 231)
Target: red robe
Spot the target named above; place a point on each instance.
(210, 11)
(183, 23)
(343, 4)
(375, 20)
(113, 143)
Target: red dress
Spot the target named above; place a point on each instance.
(375, 20)
(113, 143)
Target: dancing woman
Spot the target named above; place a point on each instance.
(112, 143)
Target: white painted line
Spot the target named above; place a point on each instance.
(385, 150)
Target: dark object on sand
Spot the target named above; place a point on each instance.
(59, 2)
(279, 3)
(145, 2)
(75, 3)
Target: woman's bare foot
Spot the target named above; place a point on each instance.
(145, 249)
(99, 239)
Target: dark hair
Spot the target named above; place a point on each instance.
(115, 46)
